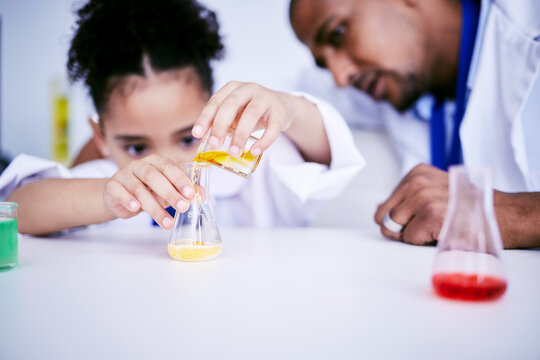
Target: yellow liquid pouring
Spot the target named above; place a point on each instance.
(240, 165)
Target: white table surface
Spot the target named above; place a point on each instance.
(110, 293)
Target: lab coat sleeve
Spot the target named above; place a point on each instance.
(25, 168)
(312, 181)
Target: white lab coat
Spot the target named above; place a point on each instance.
(501, 126)
(284, 190)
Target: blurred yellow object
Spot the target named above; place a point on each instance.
(60, 123)
(187, 250)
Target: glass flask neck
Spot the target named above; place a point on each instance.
(470, 191)
(198, 173)
(470, 222)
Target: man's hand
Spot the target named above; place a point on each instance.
(420, 200)
(419, 204)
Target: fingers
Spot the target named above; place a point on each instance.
(150, 184)
(251, 115)
(420, 177)
(425, 226)
(174, 174)
(166, 180)
(206, 118)
(403, 212)
(246, 107)
(390, 234)
(395, 198)
(418, 203)
(121, 190)
(399, 195)
(270, 135)
(120, 199)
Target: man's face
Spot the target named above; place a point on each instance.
(377, 46)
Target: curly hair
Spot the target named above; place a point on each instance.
(113, 36)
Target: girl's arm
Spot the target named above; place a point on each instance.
(307, 131)
(50, 205)
(150, 184)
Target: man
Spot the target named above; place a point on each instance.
(483, 58)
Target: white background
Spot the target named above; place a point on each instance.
(260, 47)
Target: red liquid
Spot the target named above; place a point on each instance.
(468, 286)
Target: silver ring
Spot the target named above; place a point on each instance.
(391, 224)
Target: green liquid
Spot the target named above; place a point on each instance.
(8, 243)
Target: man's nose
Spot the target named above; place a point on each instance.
(342, 68)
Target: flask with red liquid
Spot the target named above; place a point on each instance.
(468, 265)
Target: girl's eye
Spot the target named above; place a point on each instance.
(188, 141)
(336, 37)
(136, 150)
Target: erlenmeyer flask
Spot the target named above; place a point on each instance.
(468, 264)
(195, 235)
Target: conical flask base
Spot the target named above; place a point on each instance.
(468, 275)
(468, 264)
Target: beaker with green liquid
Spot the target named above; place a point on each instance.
(9, 254)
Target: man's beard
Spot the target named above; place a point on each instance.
(410, 86)
(412, 89)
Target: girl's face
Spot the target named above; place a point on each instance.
(152, 115)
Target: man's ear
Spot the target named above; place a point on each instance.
(99, 138)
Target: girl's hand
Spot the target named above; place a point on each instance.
(150, 184)
(246, 107)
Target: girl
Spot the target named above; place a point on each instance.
(147, 67)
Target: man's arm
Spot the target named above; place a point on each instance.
(518, 215)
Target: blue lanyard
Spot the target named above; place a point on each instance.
(439, 157)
